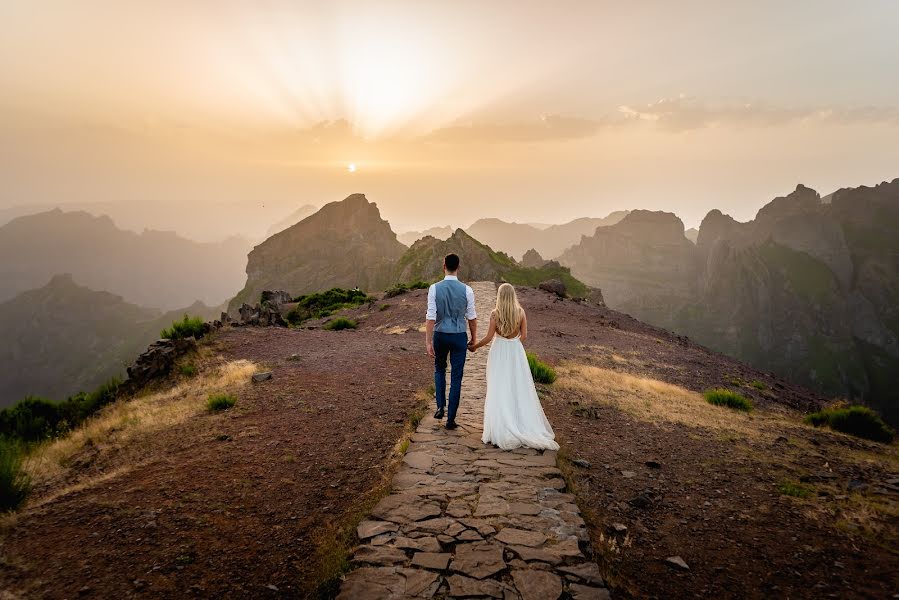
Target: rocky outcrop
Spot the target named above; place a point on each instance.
(807, 289)
(345, 244)
(156, 362)
(532, 259)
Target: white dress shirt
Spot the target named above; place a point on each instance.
(470, 313)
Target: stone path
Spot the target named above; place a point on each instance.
(466, 519)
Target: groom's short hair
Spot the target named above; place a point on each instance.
(452, 262)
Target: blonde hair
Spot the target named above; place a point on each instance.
(507, 312)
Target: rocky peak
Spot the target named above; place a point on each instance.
(532, 259)
(716, 226)
(653, 226)
(344, 244)
(802, 200)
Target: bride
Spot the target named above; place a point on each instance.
(513, 416)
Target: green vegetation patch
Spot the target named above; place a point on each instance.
(758, 385)
(542, 372)
(323, 304)
(859, 421)
(796, 490)
(15, 484)
(187, 327)
(220, 401)
(402, 288)
(728, 398)
(341, 323)
(35, 419)
(187, 369)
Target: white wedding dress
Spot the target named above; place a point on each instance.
(513, 417)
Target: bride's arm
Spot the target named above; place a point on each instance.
(523, 330)
(491, 330)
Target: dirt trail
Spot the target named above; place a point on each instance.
(467, 519)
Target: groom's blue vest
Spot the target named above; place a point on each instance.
(451, 306)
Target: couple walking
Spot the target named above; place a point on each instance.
(513, 417)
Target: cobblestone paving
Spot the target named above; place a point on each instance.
(469, 520)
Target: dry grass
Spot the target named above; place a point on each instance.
(126, 419)
(651, 400)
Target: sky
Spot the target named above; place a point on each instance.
(215, 118)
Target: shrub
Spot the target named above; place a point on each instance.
(322, 304)
(383, 307)
(402, 288)
(187, 327)
(859, 421)
(341, 323)
(542, 372)
(219, 402)
(758, 384)
(728, 398)
(34, 419)
(14, 481)
(187, 369)
(797, 490)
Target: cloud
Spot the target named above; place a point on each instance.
(546, 128)
(684, 113)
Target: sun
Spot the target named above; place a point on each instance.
(351, 167)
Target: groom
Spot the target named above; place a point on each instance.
(450, 313)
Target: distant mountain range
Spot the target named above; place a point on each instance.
(517, 238)
(550, 241)
(410, 237)
(155, 268)
(64, 338)
(809, 289)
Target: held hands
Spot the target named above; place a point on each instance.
(472, 346)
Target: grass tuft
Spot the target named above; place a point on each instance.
(796, 490)
(542, 372)
(188, 369)
(220, 401)
(758, 385)
(15, 483)
(341, 323)
(859, 421)
(187, 327)
(728, 398)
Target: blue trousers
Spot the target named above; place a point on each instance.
(456, 346)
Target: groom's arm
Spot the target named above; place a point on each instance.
(430, 320)
(471, 314)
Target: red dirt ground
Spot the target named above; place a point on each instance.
(713, 501)
(234, 505)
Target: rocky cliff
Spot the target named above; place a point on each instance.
(809, 289)
(345, 244)
(643, 264)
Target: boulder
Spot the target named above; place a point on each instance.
(554, 286)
